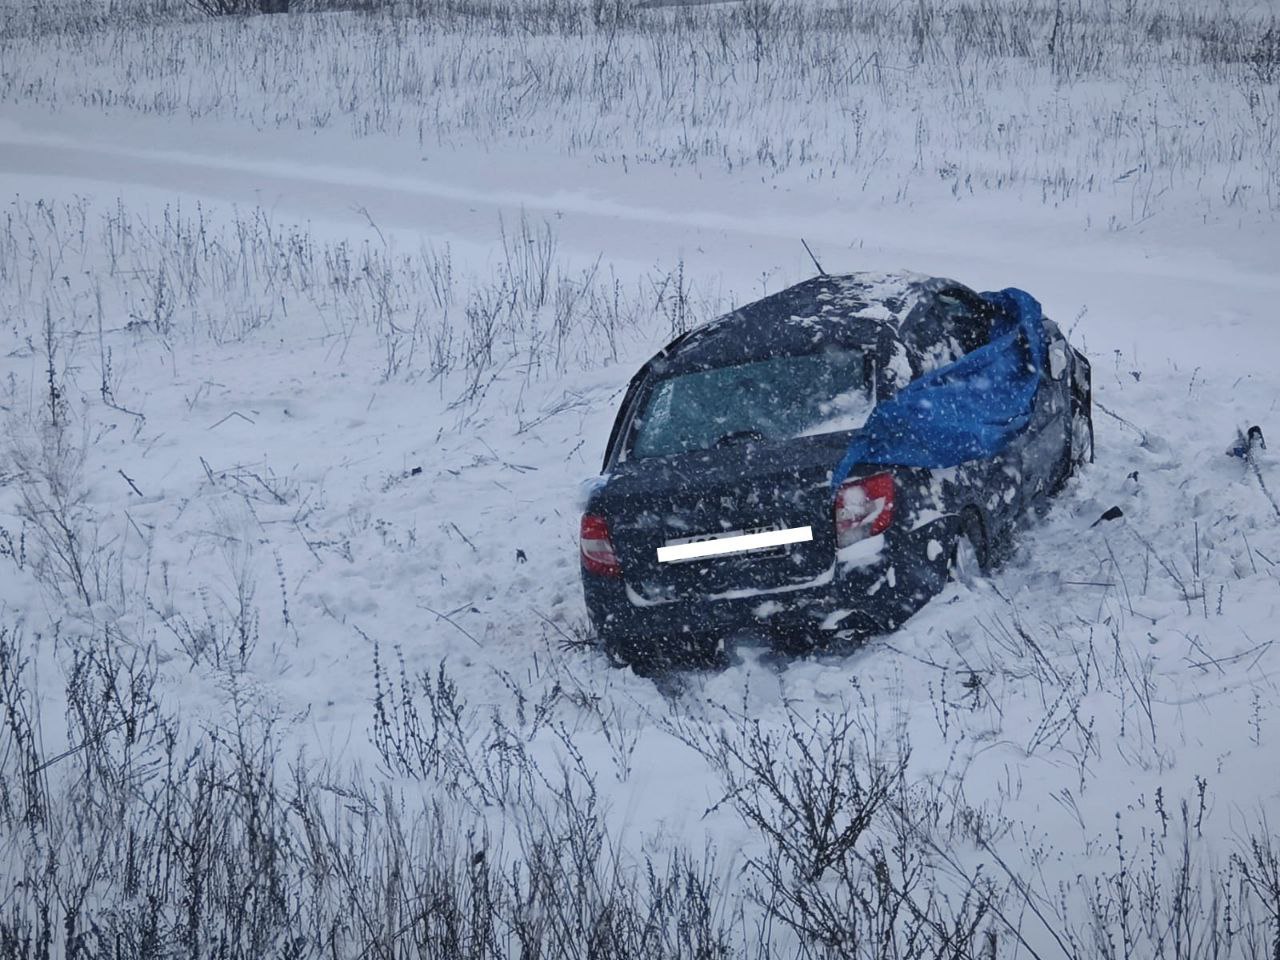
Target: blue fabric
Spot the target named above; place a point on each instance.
(966, 410)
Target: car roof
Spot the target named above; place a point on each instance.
(853, 308)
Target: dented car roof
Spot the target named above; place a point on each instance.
(865, 308)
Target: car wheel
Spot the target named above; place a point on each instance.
(1081, 437)
(1079, 449)
(970, 552)
(834, 642)
(653, 656)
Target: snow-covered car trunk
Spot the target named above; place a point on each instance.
(739, 489)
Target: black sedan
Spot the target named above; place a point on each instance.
(763, 478)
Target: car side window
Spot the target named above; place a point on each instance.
(944, 327)
(962, 319)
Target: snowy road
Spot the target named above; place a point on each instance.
(1194, 288)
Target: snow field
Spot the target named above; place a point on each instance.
(298, 403)
(295, 505)
(1117, 111)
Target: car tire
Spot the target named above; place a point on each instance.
(655, 656)
(824, 642)
(1080, 450)
(1079, 446)
(970, 550)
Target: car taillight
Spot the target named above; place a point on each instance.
(864, 508)
(597, 549)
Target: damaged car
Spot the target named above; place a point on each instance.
(813, 467)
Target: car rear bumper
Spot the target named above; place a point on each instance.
(867, 591)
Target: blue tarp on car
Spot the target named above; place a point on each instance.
(966, 410)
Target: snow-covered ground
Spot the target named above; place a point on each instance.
(283, 403)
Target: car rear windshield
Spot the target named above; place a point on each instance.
(774, 399)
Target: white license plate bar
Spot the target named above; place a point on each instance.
(733, 541)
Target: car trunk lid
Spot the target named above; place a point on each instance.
(743, 489)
